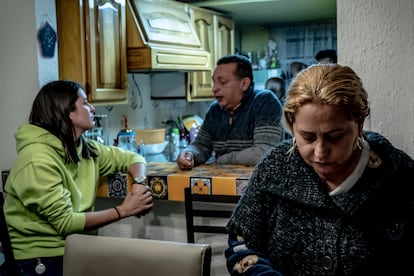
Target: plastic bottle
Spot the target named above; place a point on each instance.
(141, 148)
(126, 137)
(175, 136)
(174, 143)
(126, 140)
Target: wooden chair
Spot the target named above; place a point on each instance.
(108, 256)
(200, 207)
(10, 264)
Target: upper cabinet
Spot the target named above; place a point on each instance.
(216, 33)
(223, 36)
(92, 47)
(161, 37)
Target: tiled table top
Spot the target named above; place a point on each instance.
(167, 181)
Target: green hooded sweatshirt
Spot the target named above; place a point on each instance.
(47, 199)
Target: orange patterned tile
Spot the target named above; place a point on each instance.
(167, 181)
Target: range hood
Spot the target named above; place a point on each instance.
(161, 37)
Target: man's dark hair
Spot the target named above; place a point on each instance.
(327, 53)
(244, 67)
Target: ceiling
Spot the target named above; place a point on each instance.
(250, 12)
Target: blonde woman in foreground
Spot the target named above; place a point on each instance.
(334, 200)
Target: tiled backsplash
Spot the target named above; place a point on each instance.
(146, 113)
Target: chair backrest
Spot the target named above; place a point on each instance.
(6, 247)
(203, 206)
(87, 255)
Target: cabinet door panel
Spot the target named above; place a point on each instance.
(224, 36)
(71, 46)
(109, 59)
(92, 47)
(107, 71)
(216, 34)
(200, 83)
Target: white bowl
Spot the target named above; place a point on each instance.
(154, 148)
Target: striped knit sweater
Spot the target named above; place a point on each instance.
(242, 136)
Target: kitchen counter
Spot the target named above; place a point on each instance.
(167, 181)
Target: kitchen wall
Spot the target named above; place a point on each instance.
(146, 113)
(375, 37)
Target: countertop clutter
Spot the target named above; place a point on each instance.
(167, 181)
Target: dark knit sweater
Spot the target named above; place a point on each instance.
(254, 129)
(287, 215)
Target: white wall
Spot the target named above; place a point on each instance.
(376, 38)
(18, 71)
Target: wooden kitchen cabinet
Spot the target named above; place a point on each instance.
(216, 34)
(224, 36)
(92, 47)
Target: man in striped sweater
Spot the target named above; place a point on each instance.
(241, 124)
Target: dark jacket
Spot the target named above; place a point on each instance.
(242, 136)
(288, 217)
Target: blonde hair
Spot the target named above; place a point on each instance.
(330, 84)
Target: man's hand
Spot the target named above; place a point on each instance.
(185, 160)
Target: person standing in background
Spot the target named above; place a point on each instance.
(295, 68)
(51, 188)
(241, 124)
(326, 56)
(277, 86)
(335, 200)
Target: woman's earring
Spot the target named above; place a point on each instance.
(293, 147)
(360, 142)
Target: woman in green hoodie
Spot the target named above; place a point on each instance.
(51, 188)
